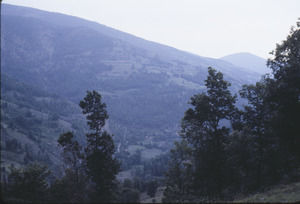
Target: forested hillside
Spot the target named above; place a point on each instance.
(31, 121)
(59, 72)
(146, 87)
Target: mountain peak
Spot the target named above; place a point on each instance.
(249, 61)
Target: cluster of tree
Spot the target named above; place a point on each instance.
(213, 163)
(89, 175)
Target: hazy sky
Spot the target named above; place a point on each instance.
(210, 28)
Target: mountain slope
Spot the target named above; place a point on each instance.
(249, 61)
(152, 49)
(145, 85)
(31, 122)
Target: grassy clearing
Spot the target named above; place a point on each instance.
(277, 194)
(150, 153)
(133, 148)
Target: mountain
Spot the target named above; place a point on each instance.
(249, 61)
(145, 85)
(31, 121)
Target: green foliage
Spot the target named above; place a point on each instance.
(101, 166)
(58, 192)
(128, 192)
(201, 129)
(151, 190)
(129, 196)
(263, 148)
(284, 95)
(157, 165)
(95, 111)
(75, 179)
(257, 118)
(179, 175)
(198, 163)
(27, 185)
(73, 187)
(71, 151)
(29, 117)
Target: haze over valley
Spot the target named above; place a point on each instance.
(50, 60)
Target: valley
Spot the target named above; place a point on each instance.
(50, 60)
(145, 85)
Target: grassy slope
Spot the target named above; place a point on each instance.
(276, 194)
(289, 193)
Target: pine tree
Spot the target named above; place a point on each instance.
(101, 165)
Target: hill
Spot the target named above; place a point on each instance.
(31, 121)
(249, 61)
(145, 85)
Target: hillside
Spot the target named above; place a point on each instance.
(31, 122)
(145, 85)
(249, 61)
(283, 193)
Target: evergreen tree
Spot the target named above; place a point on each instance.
(101, 165)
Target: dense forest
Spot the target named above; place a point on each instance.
(60, 147)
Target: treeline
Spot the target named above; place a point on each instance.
(214, 163)
(89, 174)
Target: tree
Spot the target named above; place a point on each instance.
(179, 175)
(151, 189)
(284, 95)
(27, 185)
(129, 195)
(256, 117)
(74, 179)
(200, 127)
(101, 165)
(71, 153)
(242, 162)
(58, 192)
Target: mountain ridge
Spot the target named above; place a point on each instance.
(146, 87)
(248, 61)
(152, 47)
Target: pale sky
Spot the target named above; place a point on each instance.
(209, 28)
